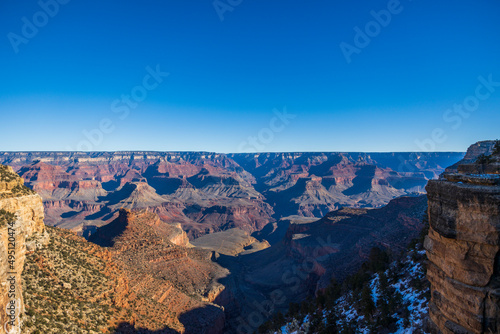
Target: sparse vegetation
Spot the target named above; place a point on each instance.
(22, 190)
(72, 286)
(6, 217)
(65, 288)
(375, 299)
(6, 175)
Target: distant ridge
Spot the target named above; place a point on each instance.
(210, 192)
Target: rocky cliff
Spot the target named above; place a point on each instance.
(21, 230)
(463, 245)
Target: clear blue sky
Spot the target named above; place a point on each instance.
(227, 76)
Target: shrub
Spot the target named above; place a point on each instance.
(6, 175)
(496, 148)
(6, 217)
(483, 159)
(21, 189)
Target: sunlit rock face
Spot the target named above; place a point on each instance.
(463, 245)
(204, 192)
(21, 228)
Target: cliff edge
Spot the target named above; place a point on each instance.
(463, 244)
(21, 226)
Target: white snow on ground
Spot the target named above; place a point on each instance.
(414, 300)
(374, 287)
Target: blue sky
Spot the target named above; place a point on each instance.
(270, 76)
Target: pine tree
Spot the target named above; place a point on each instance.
(367, 304)
(496, 148)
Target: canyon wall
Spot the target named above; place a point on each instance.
(463, 245)
(210, 192)
(21, 231)
(204, 192)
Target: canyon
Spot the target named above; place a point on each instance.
(210, 192)
(174, 252)
(311, 254)
(138, 272)
(151, 276)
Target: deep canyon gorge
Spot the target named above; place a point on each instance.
(212, 243)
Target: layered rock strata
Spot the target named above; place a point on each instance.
(21, 230)
(209, 192)
(463, 246)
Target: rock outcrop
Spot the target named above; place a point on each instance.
(21, 230)
(473, 152)
(159, 263)
(463, 245)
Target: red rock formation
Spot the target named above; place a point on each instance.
(208, 192)
(203, 192)
(312, 184)
(159, 263)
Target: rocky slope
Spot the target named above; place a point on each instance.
(160, 265)
(146, 279)
(72, 286)
(209, 192)
(140, 274)
(21, 231)
(379, 298)
(463, 245)
(311, 254)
